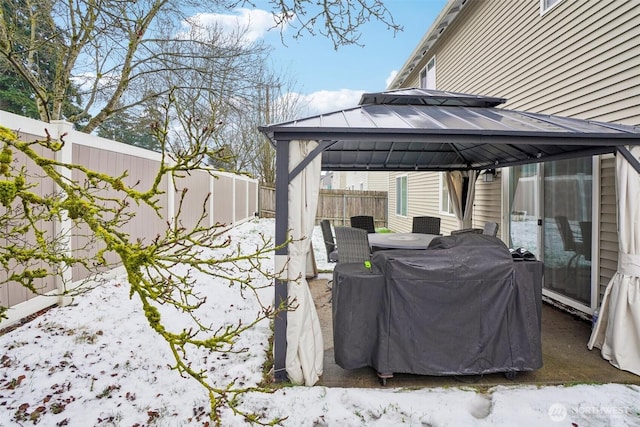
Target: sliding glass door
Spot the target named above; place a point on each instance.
(551, 216)
(524, 196)
(567, 203)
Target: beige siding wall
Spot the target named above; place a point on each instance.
(608, 223)
(487, 206)
(378, 181)
(423, 199)
(580, 59)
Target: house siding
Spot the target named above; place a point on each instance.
(578, 60)
(377, 181)
(608, 252)
(424, 199)
(487, 206)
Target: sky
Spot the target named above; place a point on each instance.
(332, 79)
(96, 362)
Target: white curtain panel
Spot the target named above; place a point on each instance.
(455, 184)
(304, 339)
(617, 331)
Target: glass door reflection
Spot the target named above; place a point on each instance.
(525, 210)
(551, 216)
(567, 227)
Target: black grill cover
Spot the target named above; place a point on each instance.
(463, 306)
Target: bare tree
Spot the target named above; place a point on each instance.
(100, 206)
(112, 48)
(338, 20)
(273, 100)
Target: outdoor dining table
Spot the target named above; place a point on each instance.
(400, 240)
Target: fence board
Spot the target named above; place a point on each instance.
(335, 205)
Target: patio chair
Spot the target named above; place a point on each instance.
(364, 222)
(569, 244)
(491, 229)
(426, 225)
(329, 242)
(353, 244)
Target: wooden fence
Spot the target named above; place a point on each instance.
(335, 205)
(233, 199)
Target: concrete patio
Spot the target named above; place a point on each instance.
(564, 346)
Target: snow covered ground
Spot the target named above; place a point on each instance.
(97, 363)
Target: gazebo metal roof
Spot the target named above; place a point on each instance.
(426, 130)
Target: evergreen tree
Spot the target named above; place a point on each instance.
(130, 128)
(17, 95)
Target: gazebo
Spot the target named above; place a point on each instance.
(427, 130)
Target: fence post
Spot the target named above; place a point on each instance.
(171, 198)
(246, 199)
(62, 227)
(211, 203)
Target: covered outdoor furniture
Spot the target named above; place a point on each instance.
(490, 229)
(329, 242)
(461, 307)
(467, 230)
(353, 244)
(426, 225)
(361, 293)
(379, 241)
(365, 222)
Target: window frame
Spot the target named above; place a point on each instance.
(441, 202)
(428, 75)
(547, 5)
(402, 202)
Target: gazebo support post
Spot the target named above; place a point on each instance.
(281, 255)
(630, 157)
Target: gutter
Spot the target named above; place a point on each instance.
(444, 19)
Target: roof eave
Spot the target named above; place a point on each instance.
(439, 26)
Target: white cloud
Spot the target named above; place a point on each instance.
(325, 101)
(389, 79)
(255, 22)
(86, 81)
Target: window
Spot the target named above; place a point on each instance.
(445, 202)
(428, 75)
(401, 195)
(545, 5)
